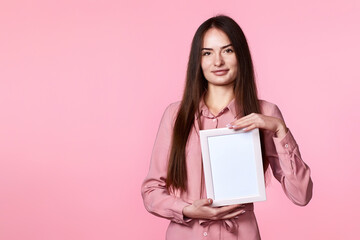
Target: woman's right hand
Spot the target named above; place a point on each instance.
(201, 209)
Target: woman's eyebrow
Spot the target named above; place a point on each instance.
(220, 48)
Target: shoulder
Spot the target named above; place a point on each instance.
(269, 109)
(171, 111)
(266, 105)
(172, 108)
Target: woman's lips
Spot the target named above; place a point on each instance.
(221, 72)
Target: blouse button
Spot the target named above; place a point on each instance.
(205, 234)
(286, 145)
(214, 120)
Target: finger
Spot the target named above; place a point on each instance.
(249, 128)
(239, 124)
(233, 214)
(245, 121)
(257, 122)
(205, 202)
(244, 125)
(221, 211)
(209, 201)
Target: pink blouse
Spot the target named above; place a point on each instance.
(283, 155)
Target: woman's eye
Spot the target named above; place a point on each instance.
(206, 53)
(229, 50)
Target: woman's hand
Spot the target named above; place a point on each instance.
(201, 209)
(256, 120)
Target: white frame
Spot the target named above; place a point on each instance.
(247, 148)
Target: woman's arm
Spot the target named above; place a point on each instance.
(157, 199)
(282, 152)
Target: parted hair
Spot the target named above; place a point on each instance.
(196, 85)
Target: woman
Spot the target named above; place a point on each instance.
(220, 92)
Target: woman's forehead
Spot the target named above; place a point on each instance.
(214, 38)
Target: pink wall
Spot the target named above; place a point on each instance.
(83, 85)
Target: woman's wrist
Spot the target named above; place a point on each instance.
(184, 212)
(281, 130)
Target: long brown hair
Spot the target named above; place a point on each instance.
(244, 89)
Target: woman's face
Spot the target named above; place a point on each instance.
(218, 59)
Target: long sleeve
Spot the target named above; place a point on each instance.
(157, 199)
(287, 166)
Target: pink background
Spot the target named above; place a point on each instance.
(83, 85)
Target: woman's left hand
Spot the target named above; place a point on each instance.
(256, 120)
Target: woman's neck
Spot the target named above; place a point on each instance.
(218, 97)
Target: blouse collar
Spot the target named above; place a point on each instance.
(204, 110)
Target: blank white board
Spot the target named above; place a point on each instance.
(233, 166)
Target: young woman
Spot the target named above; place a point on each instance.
(220, 92)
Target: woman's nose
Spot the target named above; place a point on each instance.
(218, 60)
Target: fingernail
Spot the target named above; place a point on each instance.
(242, 212)
(242, 205)
(209, 200)
(228, 125)
(244, 129)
